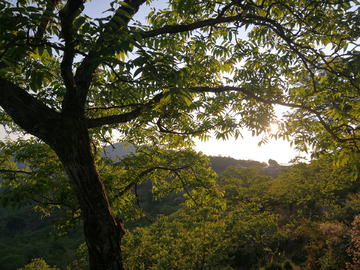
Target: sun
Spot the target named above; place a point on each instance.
(274, 127)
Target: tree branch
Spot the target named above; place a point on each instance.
(127, 188)
(184, 186)
(122, 118)
(270, 102)
(114, 119)
(137, 196)
(14, 171)
(67, 16)
(173, 29)
(143, 173)
(240, 18)
(86, 70)
(29, 113)
(163, 129)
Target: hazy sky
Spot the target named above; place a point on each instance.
(246, 148)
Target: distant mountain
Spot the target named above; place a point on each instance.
(119, 150)
(219, 163)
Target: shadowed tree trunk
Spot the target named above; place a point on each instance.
(102, 233)
(68, 136)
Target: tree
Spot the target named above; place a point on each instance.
(273, 162)
(38, 264)
(70, 80)
(245, 184)
(314, 186)
(354, 251)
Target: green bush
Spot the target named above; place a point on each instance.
(274, 266)
(12, 261)
(38, 264)
(287, 265)
(16, 224)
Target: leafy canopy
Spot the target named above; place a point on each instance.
(190, 69)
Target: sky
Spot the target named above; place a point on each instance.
(243, 148)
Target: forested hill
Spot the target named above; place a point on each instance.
(294, 208)
(218, 163)
(24, 236)
(118, 150)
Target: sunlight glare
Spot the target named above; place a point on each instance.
(274, 127)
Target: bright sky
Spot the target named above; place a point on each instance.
(246, 148)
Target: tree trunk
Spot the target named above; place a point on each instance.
(102, 232)
(68, 136)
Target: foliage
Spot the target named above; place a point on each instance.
(15, 224)
(314, 186)
(182, 64)
(72, 81)
(42, 179)
(262, 232)
(82, 259)
(257, 230)
(273, 162)
(243, 235)
(219, 164)
(19, 247)
(337, 239)
(245, 184)
(353, 251)
(30, 176)
(274, 266)
(38, 264)
(187, 239)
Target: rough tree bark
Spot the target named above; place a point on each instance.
(102, 233)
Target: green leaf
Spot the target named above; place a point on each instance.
(126, 5)
(79, 22)
(122, 12)
(40, 50)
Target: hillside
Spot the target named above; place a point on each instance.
(25, 235)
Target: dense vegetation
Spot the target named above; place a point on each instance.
(189, 70)
(303, 218)
(26, 234)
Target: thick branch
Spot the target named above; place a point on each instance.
(26, 111)
(173, 29)
(126, 189)
(134, 8)
(67, 16)
(240, 18)
(114, 119)
(122, 118)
